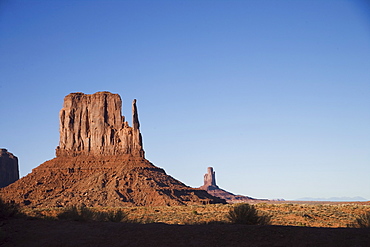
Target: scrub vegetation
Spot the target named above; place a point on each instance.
(287, 214)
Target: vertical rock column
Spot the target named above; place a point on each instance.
(210, 178)
(137, 139)
(9, 171)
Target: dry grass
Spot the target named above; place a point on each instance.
(313, 215)
(289, 214)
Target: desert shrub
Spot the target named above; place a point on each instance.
(9, 210)
(247, 214)
(89, 214)
(79, 214)
(117, 216)
(362, 221)
(144, 219)
(70, 213)
(85, 214)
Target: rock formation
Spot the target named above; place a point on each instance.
(9, 172)
(100, 162)
(210, 179)
(211, 187)
(93, 124)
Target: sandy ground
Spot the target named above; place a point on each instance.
(36, 232)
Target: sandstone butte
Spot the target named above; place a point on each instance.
(211, 187)
(100, 162)
(9, 170)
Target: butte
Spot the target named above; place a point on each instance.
(212, 188)
(100, 162)
(9, 171)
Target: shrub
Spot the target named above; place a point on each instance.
(9, 210)
(80, 214)
(362, 221)
(86, 214)
(117, 216)
(71, 213)
(247, 214)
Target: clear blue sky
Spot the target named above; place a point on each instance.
(275, 95)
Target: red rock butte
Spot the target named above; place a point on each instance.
(93, 124)
(100, 162)
(9, 171)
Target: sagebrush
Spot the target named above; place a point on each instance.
(86, 214)
(9, 210)
(362, 221)
(247, 214)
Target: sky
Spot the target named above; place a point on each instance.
(274, 95)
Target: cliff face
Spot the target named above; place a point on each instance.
(92, 124)
(9, 172)
(100, 162)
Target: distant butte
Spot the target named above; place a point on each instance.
(100, 163)
(9, 170)
(211, 187)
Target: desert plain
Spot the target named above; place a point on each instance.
(292, 224)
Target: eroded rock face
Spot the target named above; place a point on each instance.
(92, 124)
(9, 171)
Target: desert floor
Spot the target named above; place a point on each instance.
(293, 224)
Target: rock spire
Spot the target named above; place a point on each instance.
(211, 187)
(210, 178)
(9, 171)
(92, 124)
